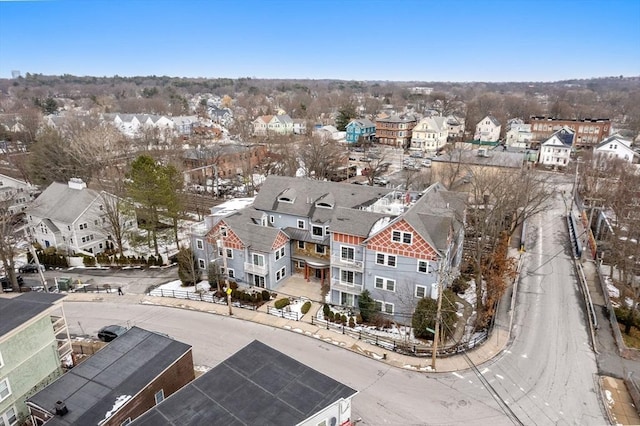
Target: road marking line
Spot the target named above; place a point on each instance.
(484, 371)
(459, 376)
(524, 355)
(499, 377)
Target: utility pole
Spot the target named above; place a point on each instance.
(37, 262)
(436, 334)
(226, 273)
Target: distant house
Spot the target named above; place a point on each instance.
(455, 128)
(220, 115)
(519, 134)
(34, 342)
(556, 151)
(430, 134)
(616, 147)
(329, 133)
(488, 129)
(74, 218)
(15, 194)
(360, 128)
(132, 374)
(395, 130)
(258, 385)
(137, 125)
(273, 124)
(299, 126)
(183, 125)
(221, 161)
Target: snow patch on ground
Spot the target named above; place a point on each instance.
(610, 399)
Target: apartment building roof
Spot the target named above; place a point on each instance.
(62, 203)
(256, 385)
(120, 370)
(20, 309)
(252, 234)
(313, 198)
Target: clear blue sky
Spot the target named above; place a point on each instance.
(455, 40)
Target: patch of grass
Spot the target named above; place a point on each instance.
(631, 340)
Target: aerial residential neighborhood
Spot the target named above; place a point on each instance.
(256, 214)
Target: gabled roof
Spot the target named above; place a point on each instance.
(258, 385)
(63, 204)
(563, 137)
(255, 237)
(493, 120)
(122, 368)
(308, 191)
(362, 122)
(404, 118)
(613, 139)
(355, 222)
(435, 214)
(20, 309)
(493, 159)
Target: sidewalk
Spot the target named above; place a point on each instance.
(496, 342)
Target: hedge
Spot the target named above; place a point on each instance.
(305, 308)
(281, 303)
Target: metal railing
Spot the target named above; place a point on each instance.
(198, 296)
(336, 260)
(282, 313)
(402, 346)
(252, 268)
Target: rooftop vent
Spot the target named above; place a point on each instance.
(77, 183)
(61, 408)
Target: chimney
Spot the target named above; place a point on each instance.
(61, 408)
(77, 183)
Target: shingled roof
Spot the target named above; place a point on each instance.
(258, 385)
(63, 204)
(256, 236)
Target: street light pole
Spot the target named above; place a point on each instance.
(436, 334)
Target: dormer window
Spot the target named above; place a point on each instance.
(324, 205)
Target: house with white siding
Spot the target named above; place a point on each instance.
(616, 147)
(556, 151)
(488, 129)
(430, 134)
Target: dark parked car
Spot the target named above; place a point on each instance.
(28, 268)
(110, 332)
(6, 283)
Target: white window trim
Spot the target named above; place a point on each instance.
(347, 283)
(1, 361)
(301, 222)
(259, 255)
(425, 291)
(346, 259)
(313, 228)
(427, 268)
(385, 284)
(383, 306)
(8, 389)
(402, 235)
(201, 263)
(272, 219)
(199, 244)
(229, 252)
(4, 419)
(385, 261)
(231, 273)
(155, 396)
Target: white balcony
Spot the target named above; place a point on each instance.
(251, 268)
(345, 263)
(336, 284)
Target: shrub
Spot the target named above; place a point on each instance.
(257, 297)
(305, 308)
(281, 303)
(266, 296)
(352, 322)
(325, 310)
(343, 319)
(459, 285)
(89, 261)
(233, 285)
(331, 316)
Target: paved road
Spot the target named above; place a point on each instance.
(549, 373)
(387, 395)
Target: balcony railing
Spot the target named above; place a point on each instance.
(256, 269)
(336, 284)
(336, 260)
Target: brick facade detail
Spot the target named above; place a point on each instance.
(347, 239)
(419, 249)
(230, 241)
(280, 240)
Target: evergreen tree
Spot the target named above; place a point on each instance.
(367, 306)
(425, 316)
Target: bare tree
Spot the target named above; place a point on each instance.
(321, 157)
(10, 234)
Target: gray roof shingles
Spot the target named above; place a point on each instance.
(20, 309)
(61, 203)
(123, 367)
(256, 385)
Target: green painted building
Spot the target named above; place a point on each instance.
(34, 341)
